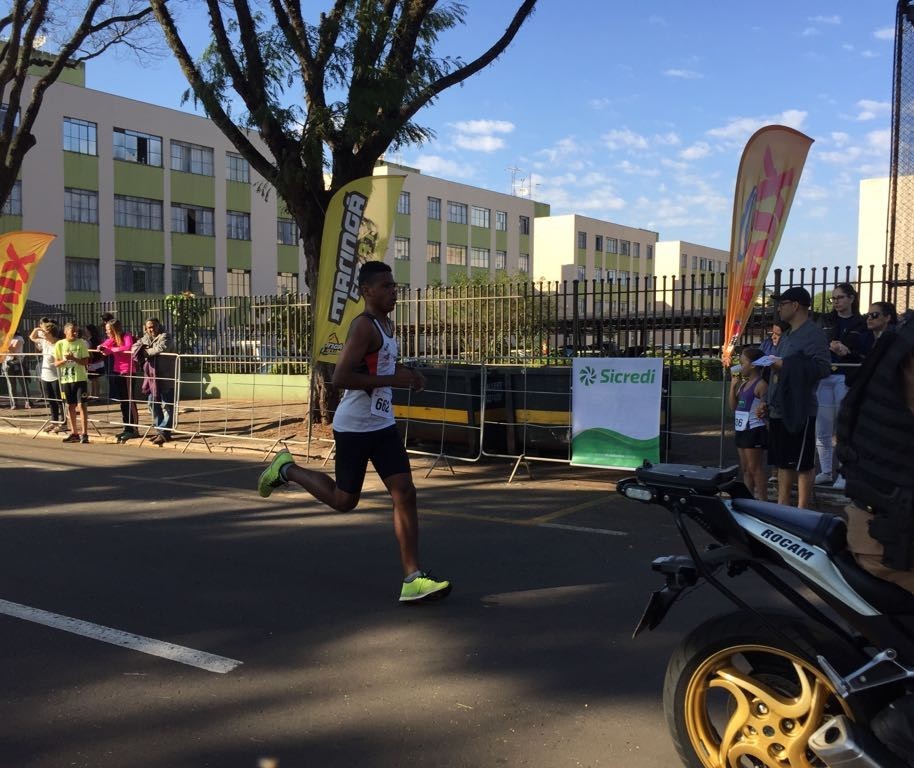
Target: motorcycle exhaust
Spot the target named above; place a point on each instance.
(841, 743)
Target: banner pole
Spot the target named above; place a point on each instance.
(723, 411)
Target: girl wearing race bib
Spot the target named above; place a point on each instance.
(747, 394)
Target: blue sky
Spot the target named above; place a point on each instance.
(637, 113)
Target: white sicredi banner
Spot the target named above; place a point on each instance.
(615, 411)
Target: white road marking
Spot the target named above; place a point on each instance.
(582, 529)
(178, 653)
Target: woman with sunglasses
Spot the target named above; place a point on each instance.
(882, 317)
(846, 330)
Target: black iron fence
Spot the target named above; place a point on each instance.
(534, 324)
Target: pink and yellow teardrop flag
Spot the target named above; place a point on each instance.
(20, 253)
(766, 183)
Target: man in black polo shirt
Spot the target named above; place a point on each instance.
(803, 359)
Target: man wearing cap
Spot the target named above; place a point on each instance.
(803, 359)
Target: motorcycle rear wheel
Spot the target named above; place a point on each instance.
(738, 695)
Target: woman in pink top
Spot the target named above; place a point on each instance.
(120, 376)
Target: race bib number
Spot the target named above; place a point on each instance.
(382, 403)
(741, 421)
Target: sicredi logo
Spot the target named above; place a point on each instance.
(587, 375)
(612, 376)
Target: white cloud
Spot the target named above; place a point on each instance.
(562, 151)
(476, 143)
(825, 19)
(740, 128)
(636, 170)
(880, 141)
(658, 21)
(601, 103)
(697, 151)
(870, 110)
(840, 138)
(435, 165)
(669, 139)
(884, 33)
(683, 74)
(484, 127)
(809, 32)
(624, 138)
(868, 54)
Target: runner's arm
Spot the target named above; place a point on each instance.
(362, 339)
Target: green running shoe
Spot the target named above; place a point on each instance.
(424, 588)
(270, 477)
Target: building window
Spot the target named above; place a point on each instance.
(136, 277)
(598, 273)
(286, 284)
(636, 250)
(79, 136)
(197, 280)
(192, 220)
(610, 274)
(237, 168)
(598, 242)
(623, 277)
(80, 205)
(137, 212)
(694, 262)
(433, 252)
(501, 259)
(479, 257)
(434, 208)
(239, 282)
(683, 260)
(624, 247)
(401, 249)
(524, 225)
(612, 245)
(649, 251)
(523, 262)
(82, 275)
(582, 272)
(501, 221)
(479, 217)
(456, 213)
(403, 203)
(13, 204)
(286, 232)
(457, 254)
(136, 147)
(238, 227)
(191, 158)
(582, 240)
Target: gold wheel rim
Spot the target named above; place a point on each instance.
(760, 722)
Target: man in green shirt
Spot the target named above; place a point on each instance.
(71, 356)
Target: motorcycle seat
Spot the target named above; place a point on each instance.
(820, 529)
(884, 595)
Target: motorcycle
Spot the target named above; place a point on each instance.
(830, 686)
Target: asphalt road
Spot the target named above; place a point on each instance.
(528, 663)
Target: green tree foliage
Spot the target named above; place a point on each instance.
(72, 32)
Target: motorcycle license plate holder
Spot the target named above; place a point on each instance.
(703, 480)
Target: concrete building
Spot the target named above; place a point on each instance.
(444, 229)
(573, 247)
(145, 201)
(872, 237)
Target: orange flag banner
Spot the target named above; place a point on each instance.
(766, 183)
(20, 253)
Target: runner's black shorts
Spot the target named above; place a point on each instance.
(792, 450)
(757, 437)
(74, 392)
(383, 447)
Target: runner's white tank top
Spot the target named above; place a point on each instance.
(361, 411)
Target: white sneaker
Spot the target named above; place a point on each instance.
(823, 478)
(840, 484)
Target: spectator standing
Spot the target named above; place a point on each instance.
(881, 318)
(770, 345)
(845, 328)
(747, 392)
(117, 350)
(15, 371)
(155, 352)
(96, 366)
(44, 337)
(803, 359)
(71, 356)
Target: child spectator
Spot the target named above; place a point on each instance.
(747, 392)
(44, 337)
(71, 356)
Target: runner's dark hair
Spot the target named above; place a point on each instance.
(370, 270)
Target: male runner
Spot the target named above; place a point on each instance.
(364, 429)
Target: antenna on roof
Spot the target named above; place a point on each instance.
(517, 188)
